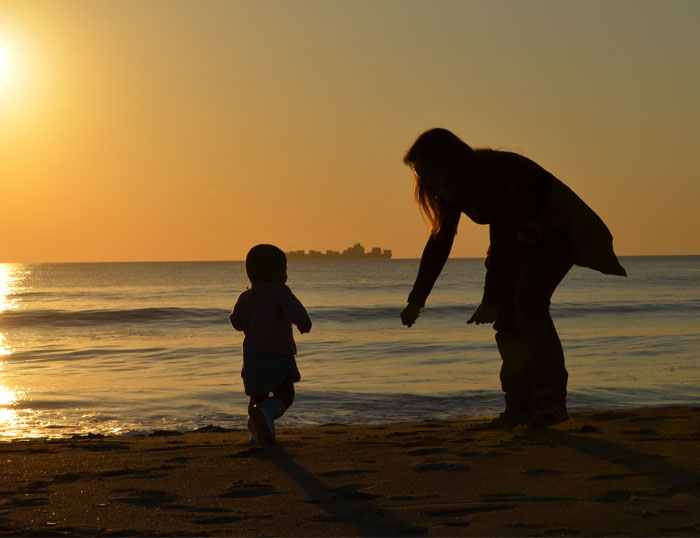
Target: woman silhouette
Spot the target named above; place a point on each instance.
(538, 229)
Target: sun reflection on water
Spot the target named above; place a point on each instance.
(8, 396)
(4, 348)
(9, 275)
(11, 424)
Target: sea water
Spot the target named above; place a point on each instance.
(128, 348)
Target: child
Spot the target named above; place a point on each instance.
(265, 313)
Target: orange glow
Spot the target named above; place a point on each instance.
(151, 131)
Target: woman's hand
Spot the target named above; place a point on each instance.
(485, 313)
(410, 314)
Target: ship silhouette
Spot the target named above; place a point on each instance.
(355, 252)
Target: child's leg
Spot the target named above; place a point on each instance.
(285, 392)
(264, 411)
(255, 400)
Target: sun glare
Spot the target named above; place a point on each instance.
(4, 63)
(9, 64)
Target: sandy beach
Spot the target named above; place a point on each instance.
(619, 472)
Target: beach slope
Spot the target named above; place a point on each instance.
(620, 472)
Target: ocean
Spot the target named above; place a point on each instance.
(131, 348)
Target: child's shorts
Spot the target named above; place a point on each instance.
(263, 373)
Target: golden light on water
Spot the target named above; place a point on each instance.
(9, 275)
(11, 424)
(14, 422)
(4, 348)
(8, 396)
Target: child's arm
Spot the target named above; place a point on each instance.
(294, 311)
(236, 317)
(305, 327)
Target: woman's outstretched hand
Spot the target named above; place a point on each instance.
(485, 313)
(410, 314)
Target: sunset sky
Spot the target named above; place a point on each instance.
(173, 130)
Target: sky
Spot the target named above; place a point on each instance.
(173, 130)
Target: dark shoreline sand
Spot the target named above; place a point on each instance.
(616, 473)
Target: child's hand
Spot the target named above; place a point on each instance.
(305, 327)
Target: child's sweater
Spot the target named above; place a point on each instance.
(265, 313)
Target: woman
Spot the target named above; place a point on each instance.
(538, 229)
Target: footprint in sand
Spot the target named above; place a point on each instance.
(431, 466)
(343, 493)
(137, 473)
(146, 498)
(14, 503)
(68, 478)
(543, 472)
(611, 415)
(427, 451)
(460, 511)
(101, 446)
(643, 431)
(619, 476)
(399, 434)
(242, 489)
(406, 498)
(346, 472)
(560, 531)
(639, 458)
(223, 520)
(36, 487)
(180, 459)
(616, 496)
(521, 498)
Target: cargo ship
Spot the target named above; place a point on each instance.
(355, 252)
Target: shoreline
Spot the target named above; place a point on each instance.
(615, 472)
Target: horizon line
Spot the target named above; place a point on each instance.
(313, 260)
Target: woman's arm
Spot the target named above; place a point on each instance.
(435, 254)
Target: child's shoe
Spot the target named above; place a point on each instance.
(264, 415)
(264, 427)
(253, 433)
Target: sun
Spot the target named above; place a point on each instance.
(4, 64)
(3, 61)
(7, 63)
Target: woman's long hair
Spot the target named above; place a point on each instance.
(437, 156)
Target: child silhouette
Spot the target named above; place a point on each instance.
(265, 313)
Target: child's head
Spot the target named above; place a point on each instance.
(266, 263)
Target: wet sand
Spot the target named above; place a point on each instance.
(613, 473)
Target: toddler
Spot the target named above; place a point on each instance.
(265, 313)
